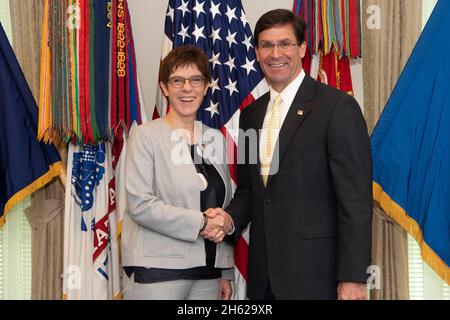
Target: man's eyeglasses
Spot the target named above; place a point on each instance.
(284, 45)
(178, 82)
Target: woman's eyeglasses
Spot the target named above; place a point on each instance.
(178, 82)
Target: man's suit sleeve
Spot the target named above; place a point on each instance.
(241, 204)
(349, 157)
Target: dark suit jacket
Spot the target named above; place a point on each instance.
(311, 225)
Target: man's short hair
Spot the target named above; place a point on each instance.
(281, 17)
(182, 57)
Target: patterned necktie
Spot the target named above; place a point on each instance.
(271, 130)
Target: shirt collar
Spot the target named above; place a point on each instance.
(288, 94)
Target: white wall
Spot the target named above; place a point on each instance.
(148, 26)
(5, 18)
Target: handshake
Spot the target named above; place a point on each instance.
(218, 224)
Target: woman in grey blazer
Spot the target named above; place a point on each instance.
(176, 171)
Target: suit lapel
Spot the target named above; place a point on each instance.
(297, 113)
(259, 121)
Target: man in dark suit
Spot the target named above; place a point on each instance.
(309, 194)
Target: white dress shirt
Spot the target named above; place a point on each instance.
(287, 96)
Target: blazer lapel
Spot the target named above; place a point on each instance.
(258, 124)
(297, 113)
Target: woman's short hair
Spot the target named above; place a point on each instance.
(182, 57)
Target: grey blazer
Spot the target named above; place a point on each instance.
(161, 226)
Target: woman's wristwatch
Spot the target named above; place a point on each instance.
(204, 222)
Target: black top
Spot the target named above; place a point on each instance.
(211, 196)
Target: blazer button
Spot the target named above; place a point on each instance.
(267, 202)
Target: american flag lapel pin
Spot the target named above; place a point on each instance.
(300, 112)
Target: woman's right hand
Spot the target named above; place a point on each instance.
(219, 225)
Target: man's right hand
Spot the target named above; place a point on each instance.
(219, 224)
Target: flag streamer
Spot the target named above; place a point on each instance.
(333, 25)
(86, 78)
(89, 98)
(334, 36)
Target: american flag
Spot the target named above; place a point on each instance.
(221, 29)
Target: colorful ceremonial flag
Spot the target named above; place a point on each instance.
(89, 87)
(332, 23)
(334, 34)
(25, 164)
(91, 253)
(221, 29)
(411, 145)
(105, 102)
(328, 69)
(345, 77)
(125, 105)
(335, 71)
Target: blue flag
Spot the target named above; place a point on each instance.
(25, 164)
(411, 145)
